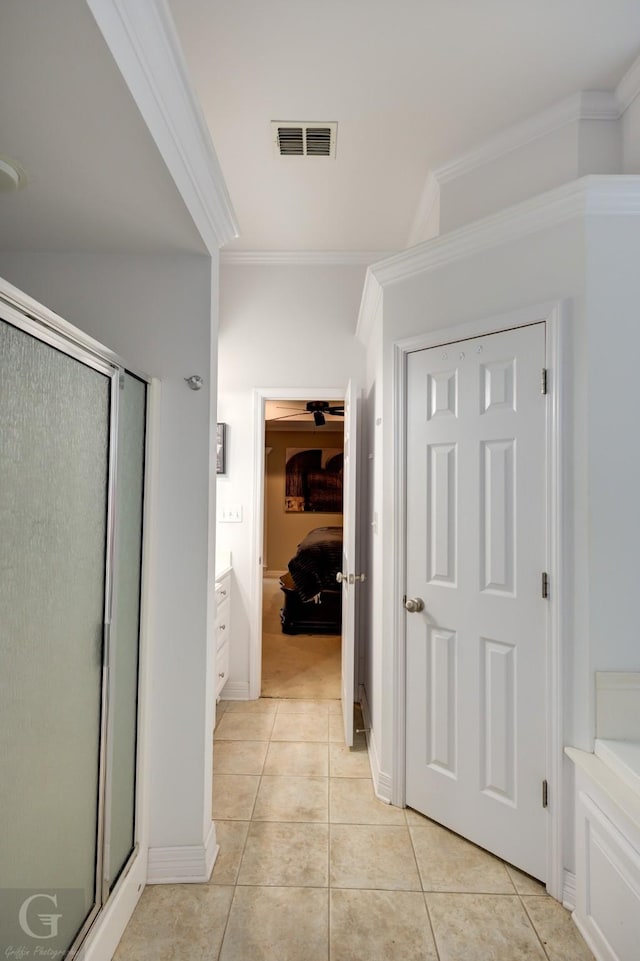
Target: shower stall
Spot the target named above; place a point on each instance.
(72, 481)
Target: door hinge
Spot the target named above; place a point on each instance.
(545, 793)
(545, 585)
(543, 382)
(106, 643)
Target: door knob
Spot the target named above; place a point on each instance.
(340, 577)
(414, 605)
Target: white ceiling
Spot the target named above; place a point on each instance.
(96, 181)
(411, 83)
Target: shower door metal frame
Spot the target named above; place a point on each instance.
(21, 311)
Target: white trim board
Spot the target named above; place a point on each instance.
(302, 258)
(594, 195)
(143, 42)
(381, 781)
(188, 864)
(554, 317)
(584, 105)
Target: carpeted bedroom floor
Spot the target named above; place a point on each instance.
(301, 665)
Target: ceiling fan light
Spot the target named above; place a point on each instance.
(319, 418)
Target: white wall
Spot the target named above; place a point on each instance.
(631, 137)
(570, 151)
(613, 410)
(285, 326)
(156, 312)
(591, 266)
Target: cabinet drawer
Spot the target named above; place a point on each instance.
(222, 623)
(222, 667)
(222, 590)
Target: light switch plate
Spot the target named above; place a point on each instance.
(231, 514)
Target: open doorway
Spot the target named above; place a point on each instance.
(302, 548)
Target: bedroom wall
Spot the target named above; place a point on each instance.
(158, 313)
(284, 531)
(280, 326)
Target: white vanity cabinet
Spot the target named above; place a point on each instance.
(222, 628)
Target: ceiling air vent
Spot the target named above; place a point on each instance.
(296, 139)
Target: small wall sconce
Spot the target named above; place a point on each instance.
(195, 382)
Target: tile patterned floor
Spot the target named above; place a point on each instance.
(312, 867)
(304, 665)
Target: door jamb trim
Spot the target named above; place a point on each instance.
(554, 315)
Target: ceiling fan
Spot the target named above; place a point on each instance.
(316, 409)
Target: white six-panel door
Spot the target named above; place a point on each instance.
(476, 531)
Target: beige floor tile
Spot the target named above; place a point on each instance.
(177, 921)
(301, 727)
(372, 856)
(449, 863)
(286, 854)
(231, 837)
(277, 924)
(292, 799)
(482, 927)
(335, 706)
(244, 727)
(301, 758)
(305, 665)
(414, 817)
(559, 935)
(336, 728)
(380, 926)
(298, 706)
(239, 757)
(352, 801)
(263, 705)
(349, 762)
(234, 796)
(222, 706)
(525, 884)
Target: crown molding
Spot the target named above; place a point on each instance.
(629, 87)
(594, 195)
(586, 105)
(320, 258)
(144, 44)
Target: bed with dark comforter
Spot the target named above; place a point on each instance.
(312, 596)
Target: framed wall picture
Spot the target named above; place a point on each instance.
(313, 480)
(221, 453)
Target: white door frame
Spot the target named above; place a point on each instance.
(554, 316)
(260, 396)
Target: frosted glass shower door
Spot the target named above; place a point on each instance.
(54, 479)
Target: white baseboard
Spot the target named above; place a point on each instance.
(190, 864)
(381, 780)
(569, 891)
(235, 691)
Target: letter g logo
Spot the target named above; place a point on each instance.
(48, 921)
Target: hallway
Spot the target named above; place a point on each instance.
(312, 867)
